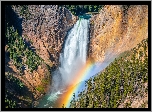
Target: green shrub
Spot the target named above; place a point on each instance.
(40, 88)
(17, 50)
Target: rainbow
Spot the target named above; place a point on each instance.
(81, 75)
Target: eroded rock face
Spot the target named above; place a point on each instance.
(43, 28)
(116, 29)
(46, 27)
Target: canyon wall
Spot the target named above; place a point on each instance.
(43, 28)
(116, 29)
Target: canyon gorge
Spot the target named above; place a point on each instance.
(64, 43)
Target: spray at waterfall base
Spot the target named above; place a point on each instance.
(86, 71)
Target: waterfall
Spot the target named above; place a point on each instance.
(71, 59)
(73, 56)
(75, 50)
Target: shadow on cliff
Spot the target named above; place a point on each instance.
(20, 94)
(11, 86)
(13, 19)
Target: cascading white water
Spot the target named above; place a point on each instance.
(75, 50)
(73, 56)
(71, 60)
(75, 45)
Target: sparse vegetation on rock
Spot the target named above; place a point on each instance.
(82, 9)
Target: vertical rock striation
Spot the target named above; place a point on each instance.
(117, 29)
(46, 27)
